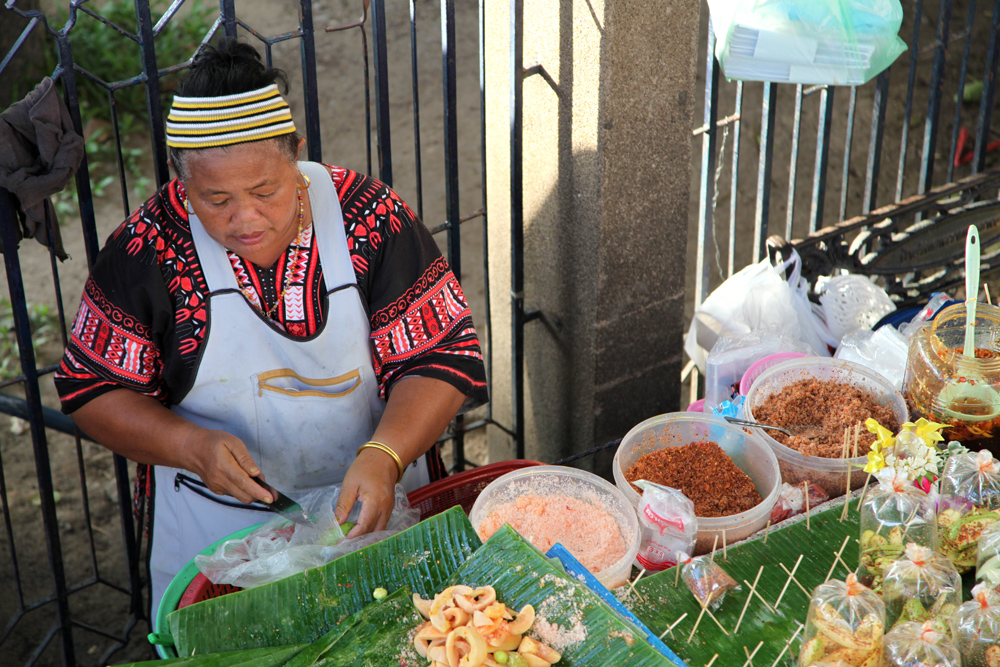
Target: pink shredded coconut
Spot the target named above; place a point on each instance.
(586, 530)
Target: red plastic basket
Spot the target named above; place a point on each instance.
(461, 489)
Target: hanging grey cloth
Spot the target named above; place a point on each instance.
(39, 153)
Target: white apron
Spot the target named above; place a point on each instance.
(302, 406)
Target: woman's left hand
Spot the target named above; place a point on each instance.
(372, 480)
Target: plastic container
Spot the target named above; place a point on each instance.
(829, 474)
(747, 449)
(944, 386)
(697, 406)
(762, 365)
(462, 488)
(548, 480)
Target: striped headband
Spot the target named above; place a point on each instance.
(207, 122)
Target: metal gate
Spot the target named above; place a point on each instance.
(89, 607)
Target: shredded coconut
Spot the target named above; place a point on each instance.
(557, 636)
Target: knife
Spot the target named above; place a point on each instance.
(284, 505)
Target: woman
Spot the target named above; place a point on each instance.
(260, 316)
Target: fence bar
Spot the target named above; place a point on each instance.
(152, 75)
(383, 142)
(875, 142)
(310, 85)
(908, 110)
(708, 157)
(793, 161)
(764, 164)
(228, 10)
(989, 90)
(848, 141)
(517, 218)
(734, 178)
(957, 122)
(822, 162)
(934, 99)
(416, 108)
(43, 468)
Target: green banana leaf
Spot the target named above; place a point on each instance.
(276, 656)
(594, 634)
(302, 607)
(658, 603)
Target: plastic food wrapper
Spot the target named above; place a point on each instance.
(758, 298)
(975, 628)
(280, 548)
(919, 645)
(937, 302)
(883, 350)
(706, 580)
(974, 477)
(895, 513)
(668, 524)
(921, 586)
(836, 42)
(792, 500)
(845, 618)
(988, 555)
(970, 491)
(735, 352)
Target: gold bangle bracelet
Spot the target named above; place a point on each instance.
(388, 450)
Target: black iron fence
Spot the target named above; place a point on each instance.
(854, 171)
(72, 582)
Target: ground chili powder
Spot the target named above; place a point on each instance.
(706, 475)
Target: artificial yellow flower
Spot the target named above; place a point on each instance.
(884, 438)
(928, 431)
(876, 459)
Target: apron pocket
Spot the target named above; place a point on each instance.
(308, 429)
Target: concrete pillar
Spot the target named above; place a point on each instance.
(607, 155)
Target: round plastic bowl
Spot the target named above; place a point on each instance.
(762, 365)
(830, 474)
(747, 450)
(548, 480)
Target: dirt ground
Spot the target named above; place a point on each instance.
(98, 555)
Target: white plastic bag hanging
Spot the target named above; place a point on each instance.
(668, 523)
(279, 548)
(759, 299)
(837, 42)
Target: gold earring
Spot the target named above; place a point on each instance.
(305, 178)
(187, 206)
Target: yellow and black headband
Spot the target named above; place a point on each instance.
(208, 122)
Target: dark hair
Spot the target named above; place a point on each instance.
(228, 68)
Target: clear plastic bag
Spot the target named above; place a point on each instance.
(280, 548)
(970, 489)
(894, 514)
(975, 628)
(988, 555)
(845, 623)
(835, 42)
(919, 645)
(883, 350)
(921, 586)
(706, 580)
(974, 477)
(668, 523)
(733, 353)
(792, 500)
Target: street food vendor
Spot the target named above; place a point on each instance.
(265, 317)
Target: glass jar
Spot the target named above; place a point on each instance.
(944, 386)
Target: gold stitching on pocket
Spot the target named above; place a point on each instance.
(262, 378)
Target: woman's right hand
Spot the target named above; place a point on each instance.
(222, 461)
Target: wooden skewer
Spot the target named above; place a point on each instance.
(805, 493)
(857, 434)
(712, 660)
(760, 597)
(987, 288)
(751, 655)
(792, 577)
(715, 543)
(677, 575)
(787, 581)
(864, 491)
(712, 616)
(788, 645)
(673, 625)
(725, 554)
(841, 561)
(767, 530)
(696, 622)
(836, 559)
(633, 583)
(746, 604)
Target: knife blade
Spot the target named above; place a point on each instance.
(283, 505)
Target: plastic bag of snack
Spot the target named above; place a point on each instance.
(988, 555)
(668, 523)
(706, 580)
(919, 645)
(970, 489)
(894, 514)
(921, 586)
(975, 628)
(792, 500)
(845, 623)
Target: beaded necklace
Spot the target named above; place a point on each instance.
(248, 293)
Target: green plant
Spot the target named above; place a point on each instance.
(44, 330)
